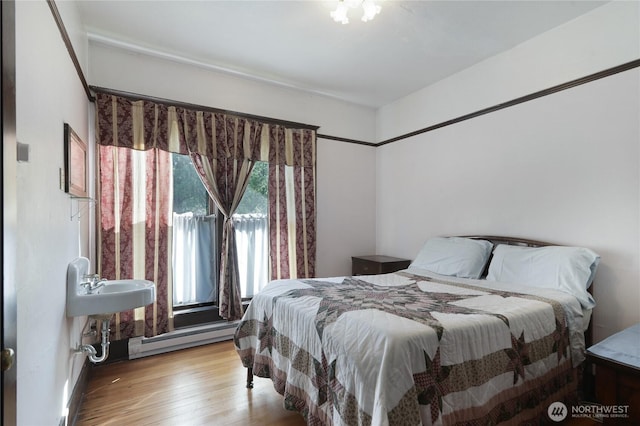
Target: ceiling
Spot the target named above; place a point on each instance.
(408, 46)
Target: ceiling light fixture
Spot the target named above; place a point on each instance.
(369, 7)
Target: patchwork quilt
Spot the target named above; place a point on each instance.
(409, 349)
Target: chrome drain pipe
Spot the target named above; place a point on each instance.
(91, 351)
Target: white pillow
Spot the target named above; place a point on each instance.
(570, 269)
(454, 256)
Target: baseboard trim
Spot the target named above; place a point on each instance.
(75, 401)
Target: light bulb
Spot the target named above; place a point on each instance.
(340, 14)
(370, 10)
(369, 7)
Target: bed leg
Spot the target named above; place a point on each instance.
(249, 378)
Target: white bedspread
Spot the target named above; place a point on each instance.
(412, 347)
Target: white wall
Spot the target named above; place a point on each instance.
(346, 172)
(605, 37)
(563, 168)
(346, 206)
(48, 94)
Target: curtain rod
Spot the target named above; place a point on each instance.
(169, 102)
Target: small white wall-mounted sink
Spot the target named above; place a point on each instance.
(113, 296)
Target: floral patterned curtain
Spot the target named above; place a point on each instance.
(226, 176)
(224, 148)
(292, 203)
(134, 233)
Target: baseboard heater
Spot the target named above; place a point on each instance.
(140, 347)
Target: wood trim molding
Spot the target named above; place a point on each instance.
(560, 87)
(75, 400)
(67, 42)
(339, 139)
(8, 329)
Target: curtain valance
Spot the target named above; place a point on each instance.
(223, 149)
(144, 125)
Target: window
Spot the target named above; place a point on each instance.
(195, 242)
(197, 238)
(189, 195)
(252, 232)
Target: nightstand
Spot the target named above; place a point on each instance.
(617, 360)
(371, 265)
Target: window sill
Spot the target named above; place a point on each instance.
(196, 316)
(199, 316)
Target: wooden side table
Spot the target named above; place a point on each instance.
(372, 265)
(617, 361)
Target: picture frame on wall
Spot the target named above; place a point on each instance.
(75, 163)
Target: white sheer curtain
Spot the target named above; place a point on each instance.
(195, 278)
(253, 253)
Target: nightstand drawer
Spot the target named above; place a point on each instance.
(372, 265)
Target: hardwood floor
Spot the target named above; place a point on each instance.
(198, 386)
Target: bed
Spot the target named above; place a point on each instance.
(478, 330)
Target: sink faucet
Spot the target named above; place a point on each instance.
(92, 282)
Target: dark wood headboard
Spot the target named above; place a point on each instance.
(512, 241)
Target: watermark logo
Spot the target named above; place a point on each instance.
(557, 411)
(598, 411)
